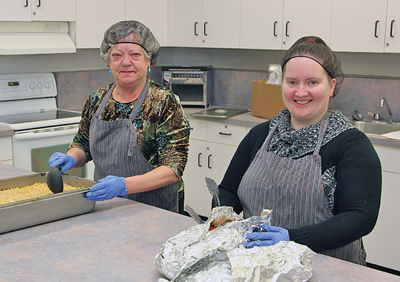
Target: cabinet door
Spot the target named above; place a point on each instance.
(221, 23)
(261, 24)
(306, 18)
(358, 26)
(156, 17)
(91, 25)
(54, 10)
(218, 158)
(185, 27)
(15, 10)
(381, 244)
(194, 177)
(392, 38)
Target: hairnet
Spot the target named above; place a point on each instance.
(142, 34)
(316, 49)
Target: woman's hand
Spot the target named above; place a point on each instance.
(107, 188)
(66, 161)
(272, 236)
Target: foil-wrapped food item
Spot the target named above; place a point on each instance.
(214, 251)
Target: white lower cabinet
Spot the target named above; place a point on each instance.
(211, 148)
(381, 244)
(6, 150)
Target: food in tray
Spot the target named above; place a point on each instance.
(28, 192)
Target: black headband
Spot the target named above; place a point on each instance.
(308, 58)
(130, 43)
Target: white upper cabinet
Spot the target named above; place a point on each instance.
(204, 23)
(261, 24)
(302, 18)
(392, 38)
(93, 18)
(37, 10)
(153, 14)
(185, 25)
(221, 23)
(358, 26)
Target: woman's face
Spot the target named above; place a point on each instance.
(128, 63)
(306, 90)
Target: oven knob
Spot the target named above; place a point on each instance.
(47, 84)
(32, 86)
(40, 85)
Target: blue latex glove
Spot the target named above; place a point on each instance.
(272, 236)
(107, 188)
(66, 161)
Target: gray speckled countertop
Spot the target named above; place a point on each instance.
(118, 241)
(5, 131)
(247, 119)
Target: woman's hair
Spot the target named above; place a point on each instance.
(316, 49)
(142, 36)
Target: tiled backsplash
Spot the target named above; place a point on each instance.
(233, 88)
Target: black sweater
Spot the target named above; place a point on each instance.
(357, 195)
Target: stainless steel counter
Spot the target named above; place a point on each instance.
(247, 119)
(118, 241)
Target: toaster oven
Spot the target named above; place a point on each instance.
(191, 84)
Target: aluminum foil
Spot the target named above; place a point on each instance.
(200, 255)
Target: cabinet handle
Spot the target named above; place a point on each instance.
(199, 159)
(195, 28)
(226, 134)
(275, 22)
(205, 30)
(287, 29)
(391, 28)
(26, 3)
(209, 161)
(376, 28)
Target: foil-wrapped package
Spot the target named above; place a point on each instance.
(198, 254)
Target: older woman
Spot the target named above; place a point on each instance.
(134, 129)
(319, 174)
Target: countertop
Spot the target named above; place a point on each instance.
(247, 119)
(118, 241)
(5, 131)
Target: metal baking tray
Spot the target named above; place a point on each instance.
(31, 212)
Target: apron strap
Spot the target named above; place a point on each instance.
(133, 114)
(324, 127)
(104, 102)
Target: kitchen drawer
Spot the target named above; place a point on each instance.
(390, 158)
(225, 133)
(198, 129)
(5, 148)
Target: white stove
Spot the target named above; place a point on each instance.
(28, 106)
(29, 101)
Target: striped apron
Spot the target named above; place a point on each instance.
(115, 152)
(293, 189)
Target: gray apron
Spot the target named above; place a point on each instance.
(115, 152)
(292, 188)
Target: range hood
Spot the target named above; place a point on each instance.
(26, 38)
